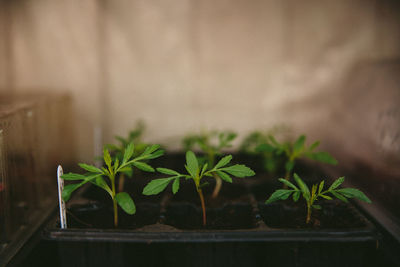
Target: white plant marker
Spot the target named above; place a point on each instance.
(61, 203)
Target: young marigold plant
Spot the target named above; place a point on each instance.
(196, 172)
(317, 191)
(211, 144)
(295, 151)
(105, 177)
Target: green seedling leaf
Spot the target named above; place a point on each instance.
(143, 166)
(175, 185)
(296, 196)
(314, 145)
(126, 203)
(224, 176)
(68, 189)
(156, 186)
(289, 184)
(223, 162)
(299, 144)
(321, 186)
(150, 149)
(89, 168)
(156, 154)
(339, 196)
(325, 196)
(322, 156)
(192, 165)
(204, 169)
(280, 194)
(168, 171)
(336, 183)
(303, 187)
(73, 176)
(318, 207)
(353, 193)
(128, 152)
(239, 170)
(107, 158)
(265, 148)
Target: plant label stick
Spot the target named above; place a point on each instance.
(61, 203)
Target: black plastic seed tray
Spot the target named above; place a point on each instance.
(241, 231)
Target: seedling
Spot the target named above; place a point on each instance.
(294, 151)
(196, 172)
(271, 160)
(316, 191)
(211, 144)
(117, 150)
(113, 168)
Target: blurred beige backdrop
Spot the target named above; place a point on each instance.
(185, 65)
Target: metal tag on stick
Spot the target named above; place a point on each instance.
(61, 203)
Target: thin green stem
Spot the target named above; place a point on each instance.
(115, 207)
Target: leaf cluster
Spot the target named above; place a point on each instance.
(112, 167)
(211, 143)
(317, 191)
(196, 172)
(295, 150)
(134, 136)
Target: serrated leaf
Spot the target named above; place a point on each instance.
(265, 148)
(322, 156)
(223, 162)
(68, 189)
(299, 144)
(175, 185)
(150, 149)
(143, 166)
(204, 169)
(116, 164)
(125, 201)
(168, 171)
(321, 186)
(339, 196)
(303, 187)
(326, 197)
(73, 176)
(128, 152)
(353, 193)
(89, 168)
(289, 165)
(224, 176)
(296, 196)
(336, 183)
(156, 186)
(280, 194)
(192, 165)
(289, 184)
(107, 158)
(156, 154)
(239, 170)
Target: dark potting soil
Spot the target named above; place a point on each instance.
(97, 215)
(289, 215)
